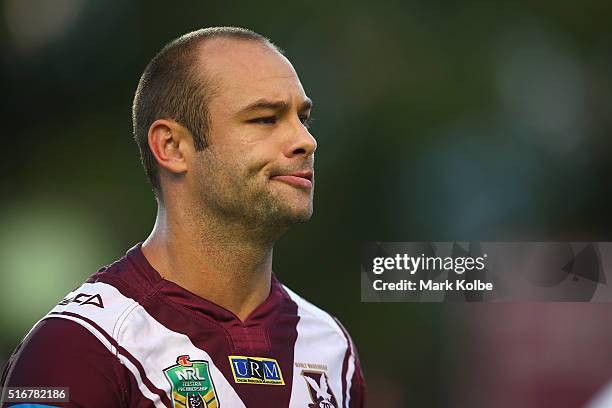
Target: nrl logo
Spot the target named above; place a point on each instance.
(191, 383)
(318, 387)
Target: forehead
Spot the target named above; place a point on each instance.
(243, 71)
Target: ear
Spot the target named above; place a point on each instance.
(169, 145)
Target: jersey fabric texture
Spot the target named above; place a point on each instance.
(129, 338)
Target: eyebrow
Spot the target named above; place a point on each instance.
(274, 105)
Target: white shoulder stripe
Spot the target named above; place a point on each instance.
(307, 308)
(100, 302)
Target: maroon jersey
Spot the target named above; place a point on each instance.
(127, 337)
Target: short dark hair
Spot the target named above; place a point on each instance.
(170, 88)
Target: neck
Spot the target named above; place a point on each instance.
(218, 261)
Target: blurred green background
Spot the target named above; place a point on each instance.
(436, 120)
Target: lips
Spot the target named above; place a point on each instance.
(299, 179)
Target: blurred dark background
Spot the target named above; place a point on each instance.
(436, 121)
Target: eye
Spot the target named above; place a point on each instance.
(306, 120)
(267, 120)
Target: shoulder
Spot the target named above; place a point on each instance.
(317, 321)
(98, 307)
(104, 302)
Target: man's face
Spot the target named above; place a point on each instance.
(258, 167)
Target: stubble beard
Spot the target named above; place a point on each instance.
(250, 203)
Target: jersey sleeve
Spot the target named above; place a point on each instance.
(61, 353)
(358, 388)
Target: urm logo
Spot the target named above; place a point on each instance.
(256, 370)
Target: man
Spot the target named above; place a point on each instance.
(194, 316)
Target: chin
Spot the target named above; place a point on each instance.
(303, 217)
(284, 210)
(294, 215)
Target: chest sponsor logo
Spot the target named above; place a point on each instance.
(256, 370)
(84, 299)
(192, 385)
(320, 392)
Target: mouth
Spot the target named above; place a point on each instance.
(299, 179)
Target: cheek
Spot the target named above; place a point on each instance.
(243, 163)
(253, 146)
(222, 174)
(255, 160)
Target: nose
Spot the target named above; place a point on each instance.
(302, 143)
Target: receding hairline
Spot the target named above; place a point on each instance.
(208, 54)
(262, 42)
(191, 47)
(204, 50)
